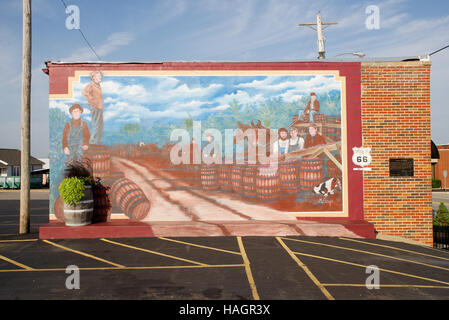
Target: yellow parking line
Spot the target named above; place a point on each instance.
(364, 266)
(200, 246)
(154, 252)
(306, 270)
(129, 268)
(396, 248)
(249, 274)
(84, 254)
(369, 252)
(16, 263)
(384, 285)
(19, 240)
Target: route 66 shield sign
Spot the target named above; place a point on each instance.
(361, 156)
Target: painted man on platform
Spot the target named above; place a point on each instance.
(75, 139)
(312, 108)
(94, 96)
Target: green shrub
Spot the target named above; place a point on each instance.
(72, 190)
(436, 183)
(442, 216)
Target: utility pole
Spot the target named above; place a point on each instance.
(319, 29)
(24, 224)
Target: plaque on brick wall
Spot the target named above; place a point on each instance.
(401, 167)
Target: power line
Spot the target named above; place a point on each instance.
(84, 37)
(439, 50)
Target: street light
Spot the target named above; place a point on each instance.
(358, 54)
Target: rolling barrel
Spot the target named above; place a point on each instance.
(131, 199)
(237, 177)
(311, 173)
(99, 158)
(267, 182)
(224, 177)
(289, 175)
(209, 177)
(249, 180)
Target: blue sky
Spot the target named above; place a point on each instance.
(231, 30)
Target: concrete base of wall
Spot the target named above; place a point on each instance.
(386, 237)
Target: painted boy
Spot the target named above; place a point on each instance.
(75, 138)
(94, 96)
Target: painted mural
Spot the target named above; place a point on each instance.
(204, 146)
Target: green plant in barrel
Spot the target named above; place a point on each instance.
(442, 216)
(72, 190)
(77, 195)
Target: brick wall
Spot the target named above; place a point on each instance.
(396, 124)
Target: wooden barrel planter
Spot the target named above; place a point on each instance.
(249, 180)
(237, 177)
(102, 203)
(99, 159)
(80, 213)
(209, 177)
(131, 199)
(267, 182)
(289, 175)
(332, 169)
(224, 177)
(311, 173)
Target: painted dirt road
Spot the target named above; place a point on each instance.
(179, 207)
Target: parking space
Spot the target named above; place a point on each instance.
(200, 268)
(221, 268)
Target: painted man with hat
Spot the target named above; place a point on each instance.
(75, 139)
(94, 95)
(312, 108)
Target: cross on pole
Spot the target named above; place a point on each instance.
(319, 29)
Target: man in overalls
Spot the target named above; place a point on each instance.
(296, 142)
(94, 96)
(75, 139)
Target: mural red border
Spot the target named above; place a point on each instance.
(60, 72)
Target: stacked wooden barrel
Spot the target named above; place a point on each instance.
(332, 169)
(225, 177)
(267, 182)
(289, 175)
(237, 177)
(99, 160)
(130, 198)
(249, 180)
(311, 173)
(209, 177)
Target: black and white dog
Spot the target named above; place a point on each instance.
(327, 187)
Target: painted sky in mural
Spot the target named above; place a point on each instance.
(144, 109)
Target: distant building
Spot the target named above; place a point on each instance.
(10, 163)
(443, 164)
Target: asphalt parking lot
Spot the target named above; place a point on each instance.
(213, 268)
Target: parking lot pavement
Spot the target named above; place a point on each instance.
(202, 268)
(232, 268)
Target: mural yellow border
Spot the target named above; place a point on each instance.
(319, 214)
